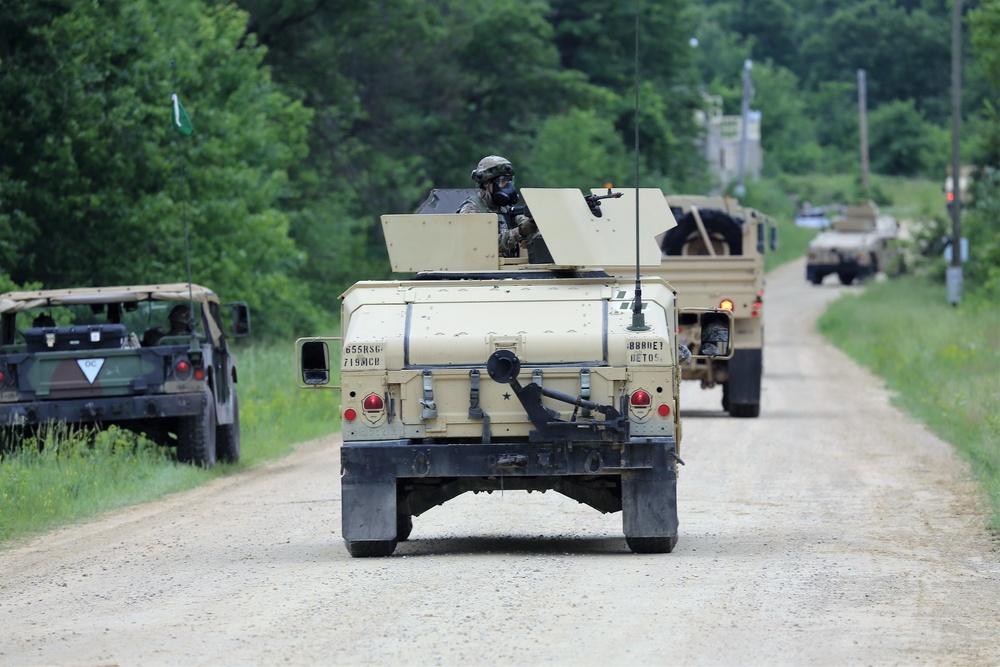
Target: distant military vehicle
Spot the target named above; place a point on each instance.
(150, 358)
(858, 245)
(817, 217)
(484, 373)
(714, 258)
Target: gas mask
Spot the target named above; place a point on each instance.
(504, 195)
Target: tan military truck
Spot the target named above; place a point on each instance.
(858, 245)
(714, 258)
(483, 373)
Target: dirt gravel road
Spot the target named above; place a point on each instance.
(832, 530)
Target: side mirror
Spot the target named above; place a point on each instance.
(715, 341)
(760, 238)
(774, 238)
(239, 314)
(314, 363)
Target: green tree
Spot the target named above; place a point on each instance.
(788, 135)
(411, 105)
(902, 143)
(92, 171)
(598, 38)
(905, 52)
(579, 149)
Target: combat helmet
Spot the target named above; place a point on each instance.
(490, 167)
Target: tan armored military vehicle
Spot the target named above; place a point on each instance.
(483, 373)
(858, 245)
(714, 258)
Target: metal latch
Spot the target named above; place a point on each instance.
(585, 389)
(475, 410)
(430, 408)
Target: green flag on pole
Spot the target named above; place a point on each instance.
(182, 123)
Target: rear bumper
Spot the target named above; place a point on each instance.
(395, 459)
(384, 480)
(859, 270)
(102, 409)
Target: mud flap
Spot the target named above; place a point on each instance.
(649, 497)
(745, 370)
(368, 511)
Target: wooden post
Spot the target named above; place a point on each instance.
(863, 122)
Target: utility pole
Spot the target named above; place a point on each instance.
(863, 124)
(741, 188)
(954, 272)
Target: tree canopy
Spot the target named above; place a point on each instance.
(313, 117)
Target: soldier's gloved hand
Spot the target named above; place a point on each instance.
(527, 229)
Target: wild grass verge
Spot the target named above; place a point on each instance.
(65, 474)
(942, 362)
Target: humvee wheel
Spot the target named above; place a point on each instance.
(196, 435)
(371, 549)
(846, 277)
(725, 395)
(404, 526)
(816, 279)
(227, 444)
(651, 545)
(744, 409)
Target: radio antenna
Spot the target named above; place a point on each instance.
(638, 320)
(183, 125)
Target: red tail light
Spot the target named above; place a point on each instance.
(182, 368)
(640, 399)
(374, 402)
(199, 374)
(3, 377)
(663, 410)
(350, 414)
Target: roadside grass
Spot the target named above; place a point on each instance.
(942, 363)
(65, 475)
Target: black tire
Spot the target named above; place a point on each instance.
(846, 277)
(371, 549)
(404, 526)
(817, 278)
(196, 435)
(744, 410)
(651, 545)
(725, 396)
(227, 436)
(718, 224)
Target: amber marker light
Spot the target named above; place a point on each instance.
(726, 304)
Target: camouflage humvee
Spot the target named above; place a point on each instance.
(107, 355)
(858, 245)
(486, 373)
